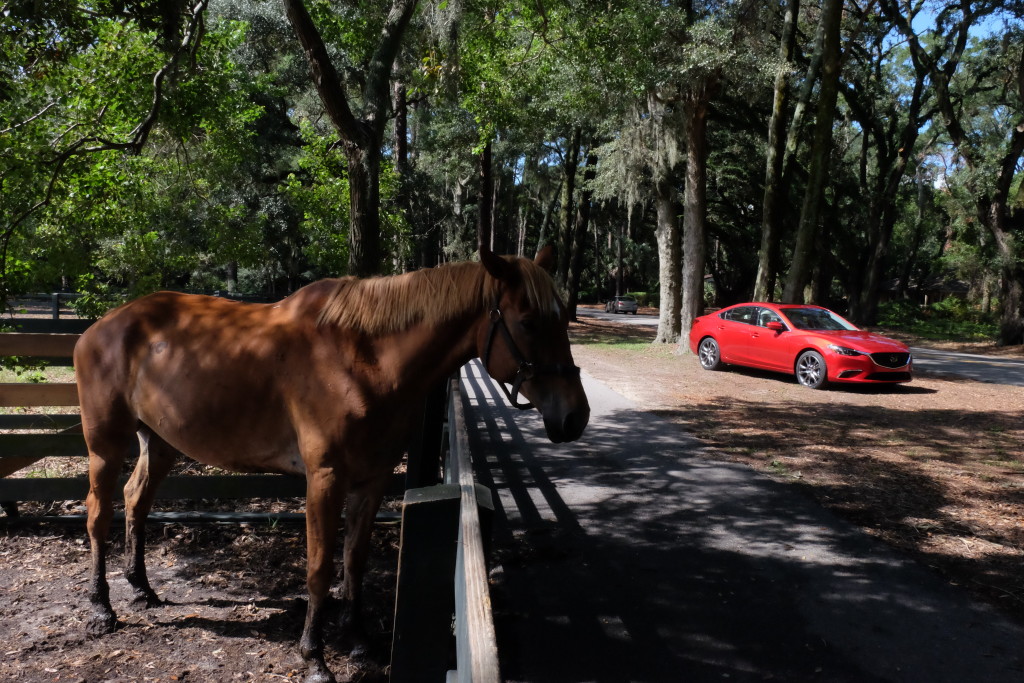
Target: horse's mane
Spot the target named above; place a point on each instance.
(383, 305)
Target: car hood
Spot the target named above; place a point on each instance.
(864, 341)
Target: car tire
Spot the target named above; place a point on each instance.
(709, 354)
(811, 370)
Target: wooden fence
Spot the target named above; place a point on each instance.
(444, 529)
(443, 630)
(29, 437)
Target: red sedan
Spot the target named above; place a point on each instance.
(812, 342)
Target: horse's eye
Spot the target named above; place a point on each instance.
(529, 325)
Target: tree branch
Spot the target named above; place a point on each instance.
(83, 145)
(328, 83)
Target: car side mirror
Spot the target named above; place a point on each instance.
(776, 326)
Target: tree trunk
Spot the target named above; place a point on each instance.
(768, 256)
(695, 206)
(803, 251)
(1011, 251)
(363, 136)
(364, 256)
(669, 262)
(484, 198)
(580, 236)
(1011, 257)
(566, 213)
(620, 262)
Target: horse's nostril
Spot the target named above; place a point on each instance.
(574, 424)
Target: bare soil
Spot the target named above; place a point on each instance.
(235, 595)
(934, 468)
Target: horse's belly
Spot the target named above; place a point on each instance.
(281, 461)
(239, 446)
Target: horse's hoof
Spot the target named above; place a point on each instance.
(146, 598)
(359, 647)
(319, 673)
(100, 624)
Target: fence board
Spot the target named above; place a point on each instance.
(48, 421)
(16, 394)
(42, 445)
(476, 644)
(43, 325)
(180, 487)
(176, 487)
(36, 344)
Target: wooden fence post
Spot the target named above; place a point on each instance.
(423, 467)
(421, 647)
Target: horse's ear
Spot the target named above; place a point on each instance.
(499, 268)
(546, 258)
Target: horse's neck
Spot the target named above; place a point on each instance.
(427, 354)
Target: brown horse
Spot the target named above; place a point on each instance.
(326, 383)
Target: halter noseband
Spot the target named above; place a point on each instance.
(526, 370)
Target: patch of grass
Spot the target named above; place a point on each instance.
(1008, 463)
(36, 374)
(626, 346)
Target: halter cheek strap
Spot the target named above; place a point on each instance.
(526, 369)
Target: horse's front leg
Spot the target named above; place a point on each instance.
(155, 460)
(323, 509)
(361, 508)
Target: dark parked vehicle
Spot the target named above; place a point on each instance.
(621, 304)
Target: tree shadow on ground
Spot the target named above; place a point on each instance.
(630, 556)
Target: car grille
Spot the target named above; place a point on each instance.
(889, 377)
(891, 360)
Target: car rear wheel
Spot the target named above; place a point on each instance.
(811, 370)
(709, 355)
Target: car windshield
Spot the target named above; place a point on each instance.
(816, 319)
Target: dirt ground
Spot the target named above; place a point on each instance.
(934, 467)
(235, 595)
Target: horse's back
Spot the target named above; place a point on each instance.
(208, 375)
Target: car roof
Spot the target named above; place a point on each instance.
(773, 304)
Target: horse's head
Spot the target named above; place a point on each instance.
(526, 344)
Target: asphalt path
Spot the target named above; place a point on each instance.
(992, 369)
(626, 556)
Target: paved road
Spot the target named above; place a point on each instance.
(991, 369)
(628, 557)
(628, 318)
(981, 368)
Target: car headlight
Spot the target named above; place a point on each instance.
(843, 350)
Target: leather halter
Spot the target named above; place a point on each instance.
(526, 370)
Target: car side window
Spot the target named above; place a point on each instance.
(765, 316)
(743, 314)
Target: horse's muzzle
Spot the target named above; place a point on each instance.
(569, 428)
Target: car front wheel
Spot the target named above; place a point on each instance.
(811, 370)
(709, 355)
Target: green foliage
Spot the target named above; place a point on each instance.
(899, 314)
(241, 182)
(951, 318)
(321, 196)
